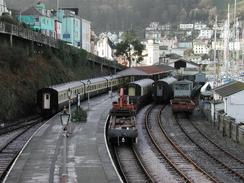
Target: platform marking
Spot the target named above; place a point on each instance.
(110, 157)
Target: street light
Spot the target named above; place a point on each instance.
(65, 118)
(111, 86)
(88, 93)
(69, 96)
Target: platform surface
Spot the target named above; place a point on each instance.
(88, 160)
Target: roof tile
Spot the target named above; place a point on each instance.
(230, 88)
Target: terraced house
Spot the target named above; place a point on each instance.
(39, 19)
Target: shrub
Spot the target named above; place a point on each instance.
(79, 115)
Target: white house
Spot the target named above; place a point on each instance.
(233, 98)
(170, 43)
(104, 47)
(3, 7)
(186, 26)
(205, 33)
(200, 48)
(232, 45)
(86, 35)
(199, 26)
(152, 50)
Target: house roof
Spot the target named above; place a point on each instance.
(183, 60)
(31, 11)
(146, 70)
(111, 44)
(229, 88)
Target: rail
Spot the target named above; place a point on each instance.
(159, 120)
(9, 151)
(148, 177)
(227, 167)
(177, 170)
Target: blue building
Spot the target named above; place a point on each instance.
(71, 27)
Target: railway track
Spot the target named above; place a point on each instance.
(10, 150)
(227, 163)
(180, 165)
(130, 165)
(18, 125)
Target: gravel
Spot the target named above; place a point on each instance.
(154, 164)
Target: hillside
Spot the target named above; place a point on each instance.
(119, 15)
(21, 75)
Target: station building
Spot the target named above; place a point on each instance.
(232, 95)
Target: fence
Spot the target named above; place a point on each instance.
(30, 35)
(37, 37)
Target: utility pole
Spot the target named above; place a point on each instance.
(226, 43)
(57, 5)
(215, 40)
(235, 20)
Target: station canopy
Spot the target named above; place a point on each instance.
(146, 70)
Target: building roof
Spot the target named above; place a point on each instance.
(183, 60)
(146, 70)
(229, 88)
(32, 11)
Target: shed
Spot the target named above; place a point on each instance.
(153, 72)
(233, 98)
(182, 63)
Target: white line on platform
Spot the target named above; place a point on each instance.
(110, 157)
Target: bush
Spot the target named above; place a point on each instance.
(79, 115)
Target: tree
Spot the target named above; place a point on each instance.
(130, 47)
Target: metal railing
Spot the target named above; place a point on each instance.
(38, 37)
(24, 33)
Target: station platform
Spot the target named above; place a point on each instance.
(87, 160)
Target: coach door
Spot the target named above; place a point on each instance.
(159, 91)
(46, 101)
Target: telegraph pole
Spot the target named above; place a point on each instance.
(57, 5)
(215, 40)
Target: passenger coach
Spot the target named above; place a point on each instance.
(162, 90)
(139, 92)
(53, 99)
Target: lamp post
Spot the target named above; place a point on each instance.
(88, 93)
(65, 118)
(111, 95)
(69, 96)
